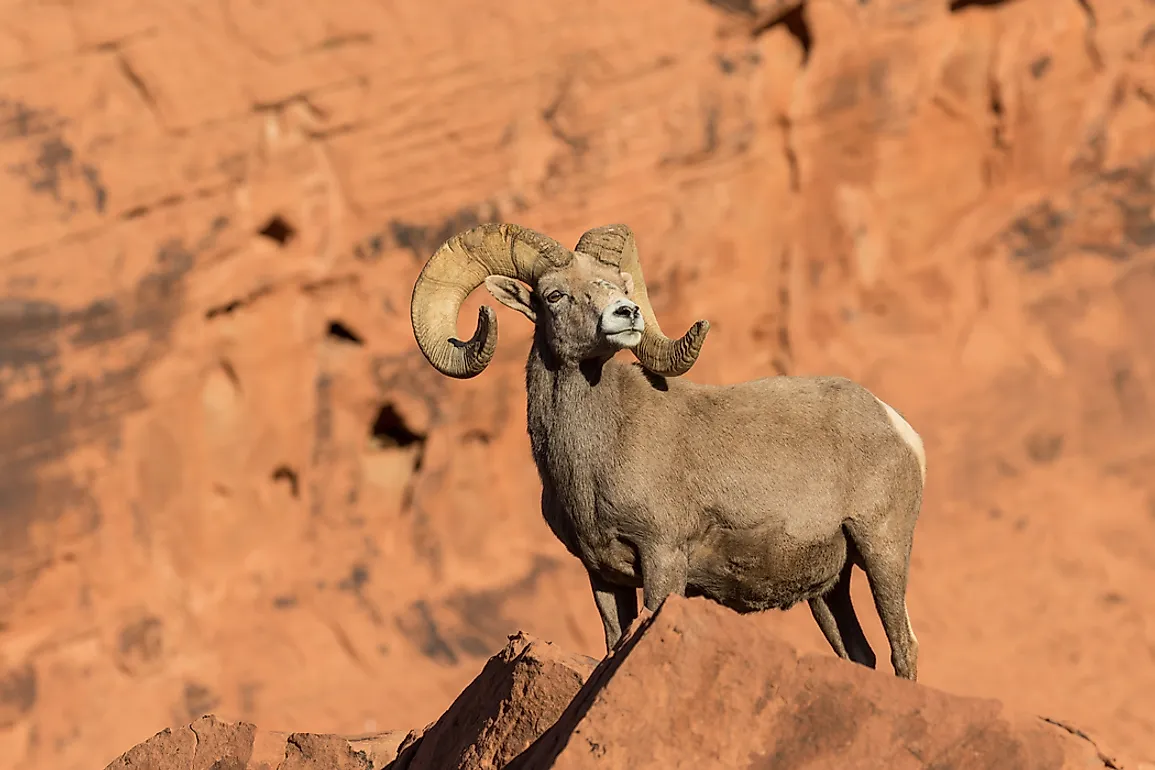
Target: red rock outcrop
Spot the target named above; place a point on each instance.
(699, 686)
(693, 685)
(210, 743)
(230, 484)
(520, 694)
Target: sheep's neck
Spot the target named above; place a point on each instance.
(574, 419)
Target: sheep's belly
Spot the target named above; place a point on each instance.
(747, 579)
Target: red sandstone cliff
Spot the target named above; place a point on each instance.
(230, 484)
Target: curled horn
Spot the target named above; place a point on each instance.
(614, 245)
(458, 267)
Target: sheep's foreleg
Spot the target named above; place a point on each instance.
(665, 571)
(617, 605)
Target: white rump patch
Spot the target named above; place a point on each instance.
(907, 434)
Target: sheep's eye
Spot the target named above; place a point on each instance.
(554, 295)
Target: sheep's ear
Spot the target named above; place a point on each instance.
(628, 280)
(511, 293)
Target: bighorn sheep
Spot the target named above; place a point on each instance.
(756, 495)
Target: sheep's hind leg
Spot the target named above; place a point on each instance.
(835, 615)
(617, 605)
(825, 620)
(886, 561)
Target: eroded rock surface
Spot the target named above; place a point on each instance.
(692, 685)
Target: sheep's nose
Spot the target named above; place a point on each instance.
(627, 310)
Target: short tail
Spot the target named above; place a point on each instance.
(908, 435)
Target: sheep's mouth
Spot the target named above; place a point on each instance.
(625, 338)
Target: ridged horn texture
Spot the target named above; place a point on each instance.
(614, 245)
(458, 267)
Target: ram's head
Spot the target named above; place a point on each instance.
(587, 303)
